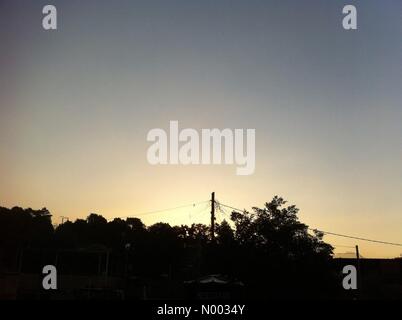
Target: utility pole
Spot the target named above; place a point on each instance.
(213, 216)
(359, 275)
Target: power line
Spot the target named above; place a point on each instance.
(221, 205)
(224, 211)
(225, 205)
(357, 238)
(202, 209)
(164, 210)
(341, 246)
(332, 233)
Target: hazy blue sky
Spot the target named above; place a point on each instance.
(76, 105)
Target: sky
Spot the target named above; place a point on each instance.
(76, 105)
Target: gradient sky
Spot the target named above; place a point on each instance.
(76, 105)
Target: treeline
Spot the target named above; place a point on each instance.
(268, 249)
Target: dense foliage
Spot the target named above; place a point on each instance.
(268, 249)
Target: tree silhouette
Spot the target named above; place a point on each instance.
(285, 257)
(269, 249)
